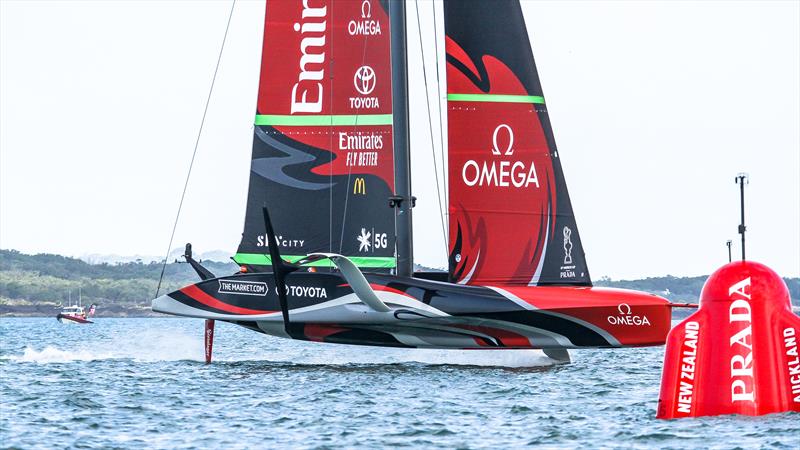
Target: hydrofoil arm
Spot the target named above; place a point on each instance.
(354, 278)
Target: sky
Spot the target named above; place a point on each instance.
(655, 106)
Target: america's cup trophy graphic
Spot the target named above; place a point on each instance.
(567, 246)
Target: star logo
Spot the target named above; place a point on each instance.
(363, 241)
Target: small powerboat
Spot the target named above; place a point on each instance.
(76, 313)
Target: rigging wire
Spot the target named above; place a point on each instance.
(445, 186)
(350, 168)
(194, 153)
(430, 124)
(330, 146)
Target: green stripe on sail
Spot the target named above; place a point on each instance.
(498, 98)
(257, 259)
(323, 120)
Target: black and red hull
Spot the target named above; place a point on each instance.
(428, 314)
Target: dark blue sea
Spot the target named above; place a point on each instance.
(141, 383)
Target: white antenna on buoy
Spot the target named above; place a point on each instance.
(728, 243)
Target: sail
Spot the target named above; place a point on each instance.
(322, 147)
(511, 220)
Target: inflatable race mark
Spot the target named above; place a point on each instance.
(738, 354)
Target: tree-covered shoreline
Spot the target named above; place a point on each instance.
(36, 285)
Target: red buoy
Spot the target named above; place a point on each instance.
(738, 354)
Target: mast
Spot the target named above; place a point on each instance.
(402, 201)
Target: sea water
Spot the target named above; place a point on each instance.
(141, 383)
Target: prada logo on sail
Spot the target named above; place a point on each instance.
(366, 26)
(568, 269)
(243, 287)
(502, 173)
(359, 186)
(307, 93)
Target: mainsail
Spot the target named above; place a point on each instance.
(322, 150)
(511, 220)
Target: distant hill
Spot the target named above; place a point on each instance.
(175, 253)
(682, 288)
(37, 284)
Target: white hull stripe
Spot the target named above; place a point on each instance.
(167, 304)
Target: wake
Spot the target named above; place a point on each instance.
(145, 346)
(481, 358)
(233, 346)
(188, 348)
(319, 354)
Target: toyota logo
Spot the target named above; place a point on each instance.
(364, 80)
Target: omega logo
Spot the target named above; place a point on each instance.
(510, 148)
(500, 172)
(626, 317)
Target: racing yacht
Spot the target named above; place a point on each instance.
(327, 249)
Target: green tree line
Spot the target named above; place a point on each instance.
(682, 288)
(51, 278)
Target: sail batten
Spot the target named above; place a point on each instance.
(495, 98)
(258, 259)
(323, 120)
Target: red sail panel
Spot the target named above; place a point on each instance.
(501, 190)
(323, 140)
(511, 220)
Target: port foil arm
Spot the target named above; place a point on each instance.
(354, 278)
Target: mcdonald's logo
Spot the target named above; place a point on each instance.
(359, 186)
